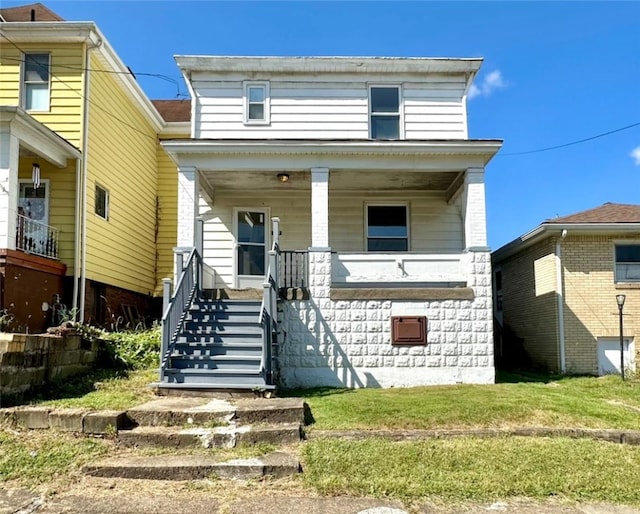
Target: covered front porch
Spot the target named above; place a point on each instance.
(38, 172)
(401, 213)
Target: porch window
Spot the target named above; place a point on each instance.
(387, 228)
(627, 266)
(384, 111)
(102, 202)
(35, 82)
(256, 103)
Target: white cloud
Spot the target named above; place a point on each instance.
(491, 82)
(635, 155)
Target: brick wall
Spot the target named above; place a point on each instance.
(591, 311)
(529, 301)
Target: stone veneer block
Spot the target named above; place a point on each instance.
(67, 420)
(402, 293)
(104, 422)
(32, 417)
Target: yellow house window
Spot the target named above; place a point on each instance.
(36, 82)
(102, 202)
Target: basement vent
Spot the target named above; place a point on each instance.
(409, 330)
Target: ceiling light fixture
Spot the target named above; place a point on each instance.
(283, 177)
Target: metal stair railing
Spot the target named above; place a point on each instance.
(269, 307)
(188, 288)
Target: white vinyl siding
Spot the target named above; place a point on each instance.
(317, 107)
(435, 226)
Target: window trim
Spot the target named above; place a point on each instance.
(616, 244)
(245, 102)
(406, 205)
(24, 83)
(106, 202)
(400, 112)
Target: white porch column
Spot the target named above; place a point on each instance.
(188, 200)
(9, 154)
(474, 209)
(320, 208)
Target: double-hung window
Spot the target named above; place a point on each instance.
(35, 82)
(627, 266)
(387, 228)
(384, 112)
(102, 202)
(256, 103)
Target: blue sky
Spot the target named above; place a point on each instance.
(554, 73)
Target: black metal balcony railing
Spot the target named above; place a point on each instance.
(36, 238)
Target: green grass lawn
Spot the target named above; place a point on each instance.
(463, 469)
(586, 402)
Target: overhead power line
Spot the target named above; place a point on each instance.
(564, 145)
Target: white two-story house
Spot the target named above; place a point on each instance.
(347, 193)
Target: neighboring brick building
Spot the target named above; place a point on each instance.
(555, 289)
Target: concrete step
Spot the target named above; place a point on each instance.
(227, 436)
(172, 411)
(194, 467)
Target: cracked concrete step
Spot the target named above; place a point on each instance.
(217, 437)
(178, 411)
(193, 467)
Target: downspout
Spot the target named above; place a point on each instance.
(560, 298)
(85, 168)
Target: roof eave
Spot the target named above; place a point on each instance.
(545, 230)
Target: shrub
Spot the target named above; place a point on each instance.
(134, 350)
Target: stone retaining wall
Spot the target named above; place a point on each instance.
(31, 361)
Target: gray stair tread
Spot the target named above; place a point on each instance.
(211, 385)
(252, 371)
(248, 357)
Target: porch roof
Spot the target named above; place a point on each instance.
(36, 137)
(275, 154)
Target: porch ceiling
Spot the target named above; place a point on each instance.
(339, 180)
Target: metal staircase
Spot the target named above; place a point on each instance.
(217, 344)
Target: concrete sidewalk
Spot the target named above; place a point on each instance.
(108, 500)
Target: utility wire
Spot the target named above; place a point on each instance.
(571, 143)
(166, 78)
(73, 89)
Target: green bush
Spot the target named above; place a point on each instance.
(134, 350)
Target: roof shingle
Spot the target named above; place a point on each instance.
(25, 13)
(173, 110)
(606, 213)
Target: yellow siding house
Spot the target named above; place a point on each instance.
(85, 192)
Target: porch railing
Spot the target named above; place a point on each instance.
(37, 238)
(269, 307)
(293, 269)
(176, 305)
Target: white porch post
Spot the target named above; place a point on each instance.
(9, 153)
(475, 213)
(188, 200)
(320, 208)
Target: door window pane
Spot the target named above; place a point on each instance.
(250, 260)
(251, 227)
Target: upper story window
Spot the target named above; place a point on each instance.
(384, 112)
(36, 81)
(627, 263)
(387, 228)
(102, 202)
(256, 103)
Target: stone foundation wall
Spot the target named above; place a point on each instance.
(325, 342)
(32, 361)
